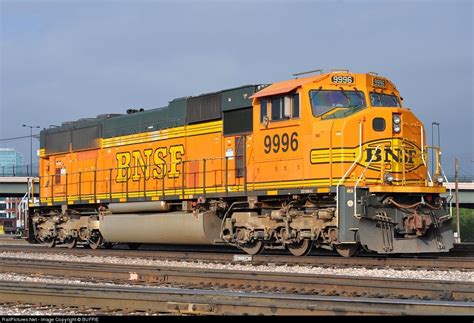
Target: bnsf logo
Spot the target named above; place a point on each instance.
(392, 153)
(158, 163)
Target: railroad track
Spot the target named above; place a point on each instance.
(126, 298)
(199, 278)
(231, 256)
(189, 301)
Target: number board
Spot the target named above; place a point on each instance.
(342, 79)
(379, 83)
(283, 143)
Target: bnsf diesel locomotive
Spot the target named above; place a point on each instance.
(331, 161)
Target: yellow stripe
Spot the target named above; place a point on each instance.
(163, 134)
(337, 155)
(406, 189)
(323, 190)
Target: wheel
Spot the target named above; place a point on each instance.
(70, 243)
(253, 248)
(96, 240)
(348, 249)
(134, 246)
(51, 243)
(301, 248)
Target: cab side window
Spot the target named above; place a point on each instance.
(263, 109)
(277, 108)
(281, 107)
(295, 111)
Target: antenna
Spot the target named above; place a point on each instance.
(336, 70)
(373, 73)
(320, 71)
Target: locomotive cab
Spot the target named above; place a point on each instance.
(365, 150)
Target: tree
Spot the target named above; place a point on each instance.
(466, 217)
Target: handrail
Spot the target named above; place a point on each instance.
(352, 166)
(358, 181)
(423, 154)
(450, 191)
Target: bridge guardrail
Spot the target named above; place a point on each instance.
(19, 171)
(461, 178)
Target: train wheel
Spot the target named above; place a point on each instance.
(253, 248)
(348, 249)
(95, 241)
(301, 248)
(71, 243)
(134, 246)
(52, 243)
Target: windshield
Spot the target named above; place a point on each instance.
(324, 100)
(383, 100)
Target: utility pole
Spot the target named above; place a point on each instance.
(458, 225)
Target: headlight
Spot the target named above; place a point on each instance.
(396, 119)
(440, 179)
(396, 123)
(388, 178)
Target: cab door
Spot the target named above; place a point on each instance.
(58, 181)
(278, 154)
(238, 128)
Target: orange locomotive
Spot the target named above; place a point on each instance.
(331, 160)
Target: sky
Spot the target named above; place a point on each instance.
(65, 60)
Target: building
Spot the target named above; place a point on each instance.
(9, 207)
(11, 162)
(8, 214)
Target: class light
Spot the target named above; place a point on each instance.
(388, 178)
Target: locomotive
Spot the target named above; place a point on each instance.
(329, 160)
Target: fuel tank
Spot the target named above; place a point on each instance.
(167, 228)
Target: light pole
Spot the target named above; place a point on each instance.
(31, 146)
(433, 150)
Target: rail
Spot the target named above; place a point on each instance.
(186, 178)
(423, 154)
(358, 181)
(343, 178)
(450, 191)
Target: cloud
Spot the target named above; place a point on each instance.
(67, 60)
